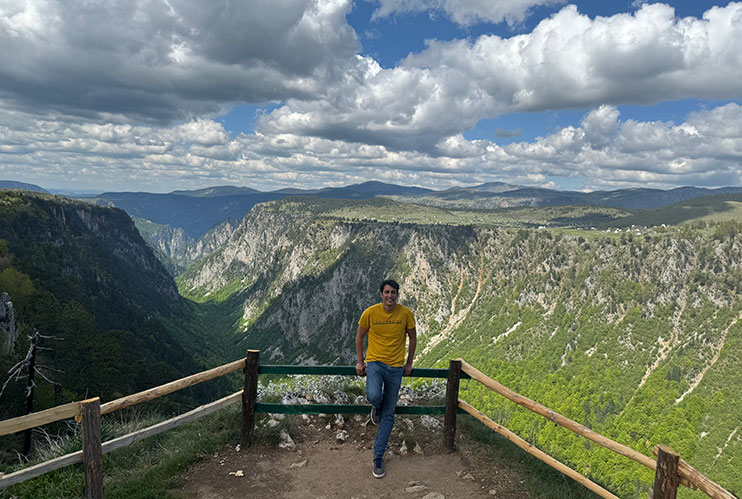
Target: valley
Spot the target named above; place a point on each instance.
(632, 329)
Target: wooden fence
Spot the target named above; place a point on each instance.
(670, 470)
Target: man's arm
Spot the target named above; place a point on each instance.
(412, 333)
(360, 365)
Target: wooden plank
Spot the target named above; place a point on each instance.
(39, 469)
(452, 404)
(40, 418)
(345, 409)
(92, 455)
(171, 387)
(539, 454)
(558, 418)
(249, 397)
(117, 443)
(666, 478)
(184, 418)
(694, 479)
(417, 372)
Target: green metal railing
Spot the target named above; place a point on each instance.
(275, 408)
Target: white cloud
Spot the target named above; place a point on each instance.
(606, 151)
(168, 59)
(568, 61)
(465, 12)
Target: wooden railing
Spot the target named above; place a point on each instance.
(89, 412)
(670, 470)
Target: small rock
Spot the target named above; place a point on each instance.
(357, 418)
(408, 422)
(341, 436)
(360, 399)
(434, 495)
(415, 488)
(341, 397)
(339, 421)
(272, 423)
(305, 418)
(403, 449)
(418, 449)
(430, 422)
(300, 464)
(237, 473)
(493, 492)
(321, 398)
(237, 449)
(286, 441)
(328, 427)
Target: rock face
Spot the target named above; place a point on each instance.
(178, 249)
(8, 331)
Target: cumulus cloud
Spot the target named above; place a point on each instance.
(568, 61)
(465, 12)
(603, 149)
(161, 60)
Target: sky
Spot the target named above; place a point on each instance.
(159, 95)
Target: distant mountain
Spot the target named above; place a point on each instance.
(496, 195)
(12, 184)
(496, 187)
(369, 190)
(200, 210)
(217, 191)
(194, 213)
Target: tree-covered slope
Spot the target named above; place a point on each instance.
(83, 275)
(635, 335)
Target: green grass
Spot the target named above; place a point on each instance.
(148, 469)
(711, 209)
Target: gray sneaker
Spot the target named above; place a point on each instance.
(375, 415)
(379, 467)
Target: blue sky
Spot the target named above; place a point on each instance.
(158, 96)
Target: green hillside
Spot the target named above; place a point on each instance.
(82, 275)
(636, 336)
(711, 209)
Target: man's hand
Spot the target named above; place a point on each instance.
(361, 369)
(407, 369)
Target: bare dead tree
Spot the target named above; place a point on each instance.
(28, 369)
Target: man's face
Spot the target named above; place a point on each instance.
(388, 296)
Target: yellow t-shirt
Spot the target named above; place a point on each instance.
(386, 333)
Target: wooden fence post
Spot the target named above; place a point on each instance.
(92, 454)
(452, 403)
(249, 397)
(666, 478)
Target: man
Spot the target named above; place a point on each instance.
(386, 324)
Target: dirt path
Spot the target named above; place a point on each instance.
(320, 466)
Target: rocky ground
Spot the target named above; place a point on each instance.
(329, 456)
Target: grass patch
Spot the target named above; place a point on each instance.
(148, 469)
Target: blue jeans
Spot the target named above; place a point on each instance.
(378, 374)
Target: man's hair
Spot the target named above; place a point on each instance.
(389, 282)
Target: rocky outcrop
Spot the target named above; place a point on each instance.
(8, 331)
